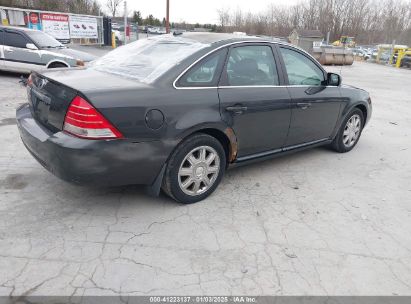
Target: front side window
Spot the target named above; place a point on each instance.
(15, 40)
(300, 69)
(252, 65)
(206, 73)
(147, 59)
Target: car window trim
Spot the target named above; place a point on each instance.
(218, 73)
(309, 57)
(224, 77)
(273, 43)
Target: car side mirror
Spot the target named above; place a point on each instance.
(334, 79)
(31, 46)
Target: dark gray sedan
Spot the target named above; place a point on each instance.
(174, 112)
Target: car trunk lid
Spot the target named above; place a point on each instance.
(49, 101)
(51, 92)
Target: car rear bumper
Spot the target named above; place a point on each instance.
(91, 162)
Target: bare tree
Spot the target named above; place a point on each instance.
(224, 17)
(89, 7)
(113, 5)
(370, 21)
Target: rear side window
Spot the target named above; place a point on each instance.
(1, 37)
(206, 73)
(300, 69)
(252, 65)
(15, 40)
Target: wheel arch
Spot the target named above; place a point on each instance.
(361, 105)
(51, 62)
(363, 109)
(225, 136)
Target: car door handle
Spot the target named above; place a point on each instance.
(236, 109)
(303, 105)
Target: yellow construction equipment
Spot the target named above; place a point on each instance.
(401, 55)
(386, 52)
(345, 41)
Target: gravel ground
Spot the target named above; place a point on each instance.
(312, 223)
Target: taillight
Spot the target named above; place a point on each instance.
(83, 120)
(30, 80)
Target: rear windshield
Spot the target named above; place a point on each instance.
(147, 59)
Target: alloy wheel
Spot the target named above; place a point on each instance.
(352, 131)
(199, 170)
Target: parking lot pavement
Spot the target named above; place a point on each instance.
(313, 223)
(91, 49)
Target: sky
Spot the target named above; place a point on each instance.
(193, 11)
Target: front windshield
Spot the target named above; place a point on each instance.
(147, 59)
(44, 40)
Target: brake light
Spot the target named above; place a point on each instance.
(30, 80)
(83, 120)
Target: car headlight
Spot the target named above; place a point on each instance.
(80, 63)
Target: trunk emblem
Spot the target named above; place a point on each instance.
(42, 83)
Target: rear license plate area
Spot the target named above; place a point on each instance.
(41, 105)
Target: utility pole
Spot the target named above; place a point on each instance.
(168, 17)
(125, 22)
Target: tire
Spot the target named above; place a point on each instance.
(191, 166)
(57, 66)
(344, 142)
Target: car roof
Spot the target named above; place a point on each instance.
(17, 28)
(213, 38)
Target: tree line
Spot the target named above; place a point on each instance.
(370, 21)
(93, 7)
(151, 20)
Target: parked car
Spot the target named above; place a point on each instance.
(24, 50)
(406, 60)
(156, 31)
(118, 35)
(360, 52)
(142, 28)
(174, 112)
